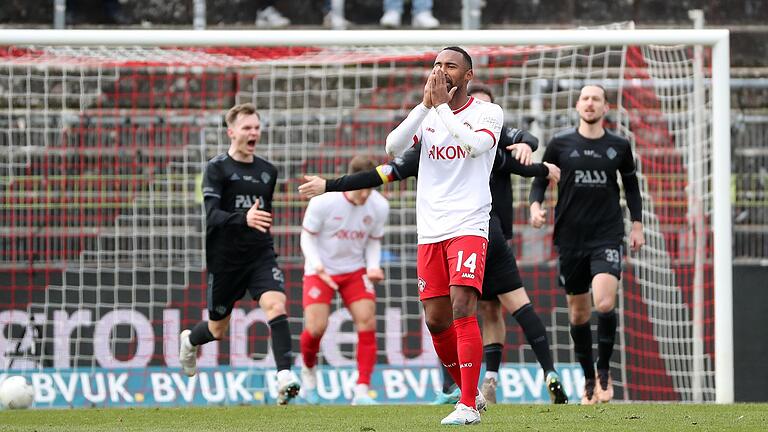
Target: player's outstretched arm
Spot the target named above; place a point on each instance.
(396, 170)
(511, 140)
(312, 187)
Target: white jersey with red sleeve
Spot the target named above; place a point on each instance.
(453, 197)
(343, 230)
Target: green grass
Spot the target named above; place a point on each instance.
(572, 418)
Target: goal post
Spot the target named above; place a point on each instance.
(717, 41)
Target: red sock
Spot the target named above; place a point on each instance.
(366, 355)
(310, 345)
(470, 353)
(445, 347)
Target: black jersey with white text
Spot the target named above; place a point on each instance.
(230, 189)
(588, 213)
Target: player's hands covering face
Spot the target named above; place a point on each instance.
(439, 91)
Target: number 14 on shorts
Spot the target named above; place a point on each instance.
(470, 264)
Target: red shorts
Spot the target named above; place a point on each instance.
(352, 287)
(456, 261)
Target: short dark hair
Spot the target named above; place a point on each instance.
(463, 53)
(481, 88)
(360, 163)
(600, 86)
(244, 108)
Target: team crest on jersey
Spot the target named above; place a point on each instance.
(611, 153)
(422, 285)
(367, 220)
(265, 177)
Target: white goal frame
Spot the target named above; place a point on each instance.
(717, 39)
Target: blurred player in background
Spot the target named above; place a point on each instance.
(341, 241)
(237, 190)
(589, 230)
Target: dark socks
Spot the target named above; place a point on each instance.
(536, 334)
(582, 346)
(492, 354)
(281, 342)
(606, 335)
(200, 334)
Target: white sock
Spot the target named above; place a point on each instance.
(494, 375)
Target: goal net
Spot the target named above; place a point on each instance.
(102, 247)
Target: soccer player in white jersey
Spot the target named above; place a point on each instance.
(341, 242)
(453, 202)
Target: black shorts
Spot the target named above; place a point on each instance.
(577, 268)
(501, 274)
(226, 288)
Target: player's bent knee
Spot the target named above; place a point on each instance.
(316, 331)
(489, 309)
(366, 324)
(579, 316)
(275, 309)
(605, 305)
(438, 325)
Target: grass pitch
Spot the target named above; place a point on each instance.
(570, 418)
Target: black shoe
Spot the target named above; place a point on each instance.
(555, 388)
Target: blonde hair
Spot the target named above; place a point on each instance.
(244, 108)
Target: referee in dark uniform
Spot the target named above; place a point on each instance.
(589, 229)
(502, 282)
(237, 190)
